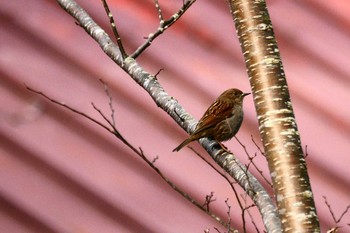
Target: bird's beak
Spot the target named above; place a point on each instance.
(245, 94)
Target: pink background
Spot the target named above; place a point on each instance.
(61, 173)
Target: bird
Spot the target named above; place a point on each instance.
(222, 119)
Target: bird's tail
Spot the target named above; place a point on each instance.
(184, 143)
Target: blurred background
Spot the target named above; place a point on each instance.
(61, 173)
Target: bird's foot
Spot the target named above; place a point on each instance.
(225, 148)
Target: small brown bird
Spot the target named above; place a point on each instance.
(222, 120)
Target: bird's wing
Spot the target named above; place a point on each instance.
(216, 113)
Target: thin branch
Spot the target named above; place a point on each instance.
(250, 215)
(228, 214)
(103, 116)
(138, 151)
(251, 160)
(336, 221)
(160, 70)
(333, 230)
(110, 102)
(257, 146)
(163, 25)
(208, 200)
(228, 181)
(114, 28)
(182, 193)
(69, 108)
(170, 105)
(306, 152)
(159, 10)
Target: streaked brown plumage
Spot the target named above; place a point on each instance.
(222, 120)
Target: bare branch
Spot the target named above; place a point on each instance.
(257, 146)
(209, 199)
(228, 181)
(250, 215)
(251, 161)
(69, 108)
(170, 105)
(228, 214)
(163, 25)
(114, 28)
(138, 151)
(306, 152)
(158, 72)
(159, 10)
(336, 221)
(110, 102)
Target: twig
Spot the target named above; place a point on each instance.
(257, 146)
(173, 108)
(228, 215)
(182, 193)
(336, 221)
(228, 181)
(251, 160)
(114, 28)
(163, 25)
(306, 152)
(110, 102)
(250, 215)
(138, 151)
(69, 108)
(159, 10)
(209, 199)
(155, 159)
(160, 70)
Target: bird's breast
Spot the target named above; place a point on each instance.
(228, 127)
